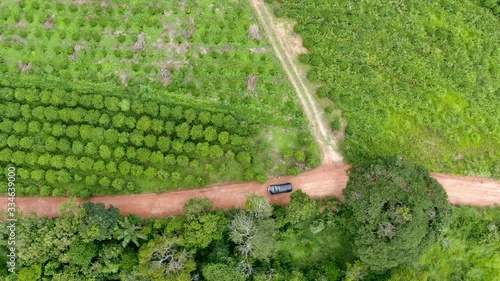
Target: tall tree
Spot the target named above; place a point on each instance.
(99, 222)
(301, 210)
(396, 210)
(201, 229)
(163, 259)
(128, 232)
(253, 231)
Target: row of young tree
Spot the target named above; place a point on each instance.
(144, 155)
(88, 135)
(91, 134)
(407, 223)
(87, 26)
(107, 162)
(69, 10)
(58, 136)
(49, 153)
(200, 71)
(107, 111)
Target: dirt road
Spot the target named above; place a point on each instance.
(327, 180)
(470, 190)
(311, 109)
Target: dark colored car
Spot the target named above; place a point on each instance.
(279, 188)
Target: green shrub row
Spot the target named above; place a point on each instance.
(100, 143)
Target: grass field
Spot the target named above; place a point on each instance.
(127, 59)
(413, 78)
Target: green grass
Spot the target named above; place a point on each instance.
(413, 78)
(470, 249)
(195, 54)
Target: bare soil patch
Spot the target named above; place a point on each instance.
(293, 42)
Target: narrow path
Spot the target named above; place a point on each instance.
(321, 130)
(327, 180)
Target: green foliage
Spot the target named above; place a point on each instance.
(258, 206)
(198, 206)
(81, 253)
(32, 273)
(407, 273)
(162, 259)
(92, 144)
(396, 211)
(89, 140)
(222, 272)
(184, 247)
(202, 229)
(127, 232)
(301, 210)
(254, 237)
(356, 271)
(410, 78)
(99, 223)
(470, 249)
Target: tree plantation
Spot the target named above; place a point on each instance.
(355, 99)
(127, 97)
(66, 142)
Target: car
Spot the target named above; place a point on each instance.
(280, 188)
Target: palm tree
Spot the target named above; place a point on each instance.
(128, 232)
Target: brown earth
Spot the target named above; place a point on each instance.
(327, 180)
(293, 43)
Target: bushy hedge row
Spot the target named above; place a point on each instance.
(62, 140)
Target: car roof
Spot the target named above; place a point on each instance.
(281, 184)
(279, 188)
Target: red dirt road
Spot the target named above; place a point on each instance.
(470, 190)
(327, 180)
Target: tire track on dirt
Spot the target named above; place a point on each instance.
(321, 132)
